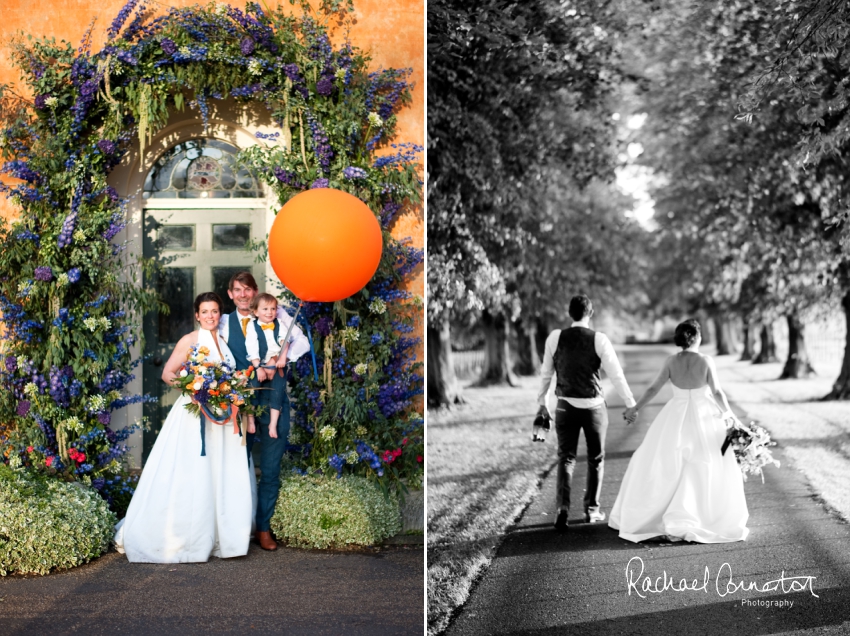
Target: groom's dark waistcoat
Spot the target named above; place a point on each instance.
(236, 341)
(577, 364)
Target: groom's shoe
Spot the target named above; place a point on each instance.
(561, 523)
(593, 517)
(264, 538)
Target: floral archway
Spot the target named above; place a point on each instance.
(71, 296)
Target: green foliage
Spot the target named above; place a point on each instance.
(334, 119)
(334, 513)
(46, 524)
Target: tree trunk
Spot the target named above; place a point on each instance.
(721, 331)
(443, 388)
(747, 353)
(797, 365)
(768, 346)
(541, 332)
(841, 388)
(497, 355)
(702, 319)
(528, 362)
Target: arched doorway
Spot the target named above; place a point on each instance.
(201, 212)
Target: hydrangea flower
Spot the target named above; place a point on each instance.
(168, 46)
(320, 183)
(353, 172)
(44, 273)
(247, 45)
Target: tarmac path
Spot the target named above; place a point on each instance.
(541, 583)
(289, 591)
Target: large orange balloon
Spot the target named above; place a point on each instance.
(325, 245)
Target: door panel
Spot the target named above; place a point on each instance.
(199, 251)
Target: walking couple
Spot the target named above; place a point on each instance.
(678, 484)
(191, 505)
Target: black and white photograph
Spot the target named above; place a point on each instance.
(638, 295)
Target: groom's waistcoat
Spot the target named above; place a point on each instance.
(236, 341)
(577, 364)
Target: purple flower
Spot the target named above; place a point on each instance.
(73, 274)
(106, 146)
(104, 417)
(289, 177)
(168, 46)
(23, 408)
(247, 45)
(40, 101)
(44, 273)
(323, 325)
(11, 364)
(353, 172)
(325, 86)
(319, 183)
(88, 88)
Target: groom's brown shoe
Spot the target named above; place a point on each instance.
(264, 538)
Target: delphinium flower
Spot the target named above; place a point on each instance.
(43, 273)
(376, 338)
(26, 235)
(121, 18)
(67, 232)
(74, 275)
(336, 462)
(320, 183)
(288, 177)
(321, 146)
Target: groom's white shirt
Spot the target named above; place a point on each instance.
(298, 342)
(610, 364)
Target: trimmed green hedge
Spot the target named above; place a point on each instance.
(46, 523)
(317, 512)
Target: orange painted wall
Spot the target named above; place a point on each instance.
(392, 31)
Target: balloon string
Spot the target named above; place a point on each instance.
(292, 324)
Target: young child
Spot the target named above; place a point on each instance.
(266, 350)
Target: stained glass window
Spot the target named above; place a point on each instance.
(200, 169)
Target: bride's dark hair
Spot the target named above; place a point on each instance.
(686, 333)
(207, 297)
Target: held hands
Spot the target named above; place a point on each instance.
(630, 415)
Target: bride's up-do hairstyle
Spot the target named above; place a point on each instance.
(207, 297)
(687, 333)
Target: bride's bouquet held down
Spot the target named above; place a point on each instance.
(218, 392)
(751, 445)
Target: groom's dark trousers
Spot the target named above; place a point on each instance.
(569, 422)
(271, 449)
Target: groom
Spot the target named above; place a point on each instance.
(234, 328)
(575, 356)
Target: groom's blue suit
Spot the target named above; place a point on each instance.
(272, 449)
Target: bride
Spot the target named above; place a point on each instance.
(678, 484)
(188, 507)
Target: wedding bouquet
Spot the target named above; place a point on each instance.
(751, 445)
(218, 392)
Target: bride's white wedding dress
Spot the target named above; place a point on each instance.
(678, 483)
(186, 507)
